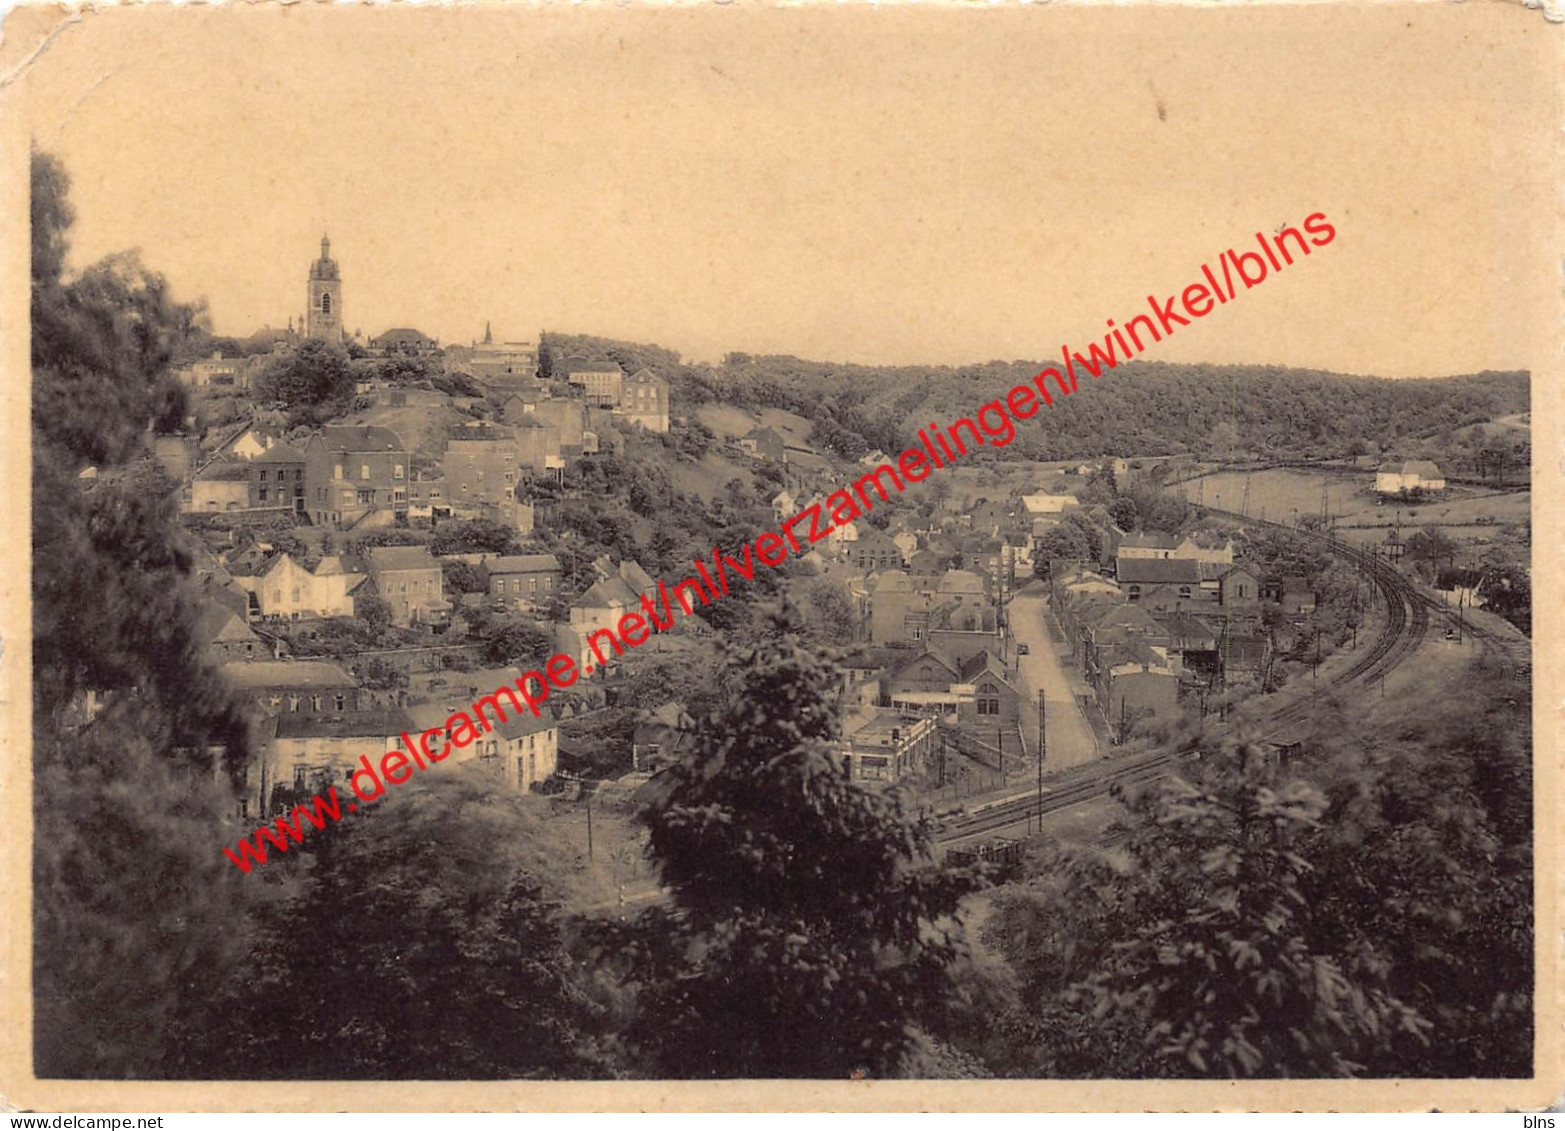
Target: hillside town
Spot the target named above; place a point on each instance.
(365, 574)
(307, 558)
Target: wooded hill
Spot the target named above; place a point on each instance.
(1141, 407)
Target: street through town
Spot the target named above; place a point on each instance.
(1070, 740)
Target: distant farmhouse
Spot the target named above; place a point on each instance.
(1414, 475)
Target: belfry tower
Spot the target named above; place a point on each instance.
(323, 317)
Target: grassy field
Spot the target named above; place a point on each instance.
(1281, 494)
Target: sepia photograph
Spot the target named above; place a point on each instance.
(575, 553)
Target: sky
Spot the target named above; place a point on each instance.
(885, 185)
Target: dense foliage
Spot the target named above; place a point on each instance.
(812, 932)
(135, 920)
(1142, 407)
(449, 964)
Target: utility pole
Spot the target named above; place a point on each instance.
(1043, 713)
(589, 826)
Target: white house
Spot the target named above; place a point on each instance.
(1049, 506)
(1415, 474)
(289, 590)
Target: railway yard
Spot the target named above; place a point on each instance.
(989, 829)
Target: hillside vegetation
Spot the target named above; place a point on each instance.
(1141, 407)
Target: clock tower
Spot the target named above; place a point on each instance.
(323, 317)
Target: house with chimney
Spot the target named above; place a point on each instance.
(408, 580)
(351, 471)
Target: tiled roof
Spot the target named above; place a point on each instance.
(218, 624)
(261, 674)
(897, 669)
(400, 557)
(224, 471)
(892, 581)
(1159, 571)
(961, 581)
(280, 453)
(361, 438)
(524, 563)
(385, 722)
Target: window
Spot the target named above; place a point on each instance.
(325, 302)
(1184, 590)
(1135, 593)
(364, 471)
(342, 701)
(296, 594)
(532, 585)
(336, 472)
(300, 774)
(396, 471)
(262, 495)
(315, 702)
(293, 702)
(988, 699)
(263, 475)
(298, 475)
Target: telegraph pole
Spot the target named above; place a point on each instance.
(1043, 709)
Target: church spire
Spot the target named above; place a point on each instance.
(488, 337)
(325, 247)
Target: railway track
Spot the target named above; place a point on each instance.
(1062, 794)
(1407, 623)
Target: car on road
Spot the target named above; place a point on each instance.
(1023, 650)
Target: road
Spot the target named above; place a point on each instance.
(1070, 740)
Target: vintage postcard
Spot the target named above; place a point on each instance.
(781, 557)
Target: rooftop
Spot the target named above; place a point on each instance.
(400, 557)
(524, 563)
(384, 723)
(261, 674)
(1159, 571)
(361, 438)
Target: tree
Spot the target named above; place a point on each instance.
(1203, 956)
(1064, 541)
(103, 343)
(812, 934)
(462, 577)
(1124, 512)
(475, 536)
(123, 956)
(375, 613)
(313, 381)
(1506, 589)
(1223, 441)
(1431, 544)
(424, 946)
(828, 611)
(519, 642)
